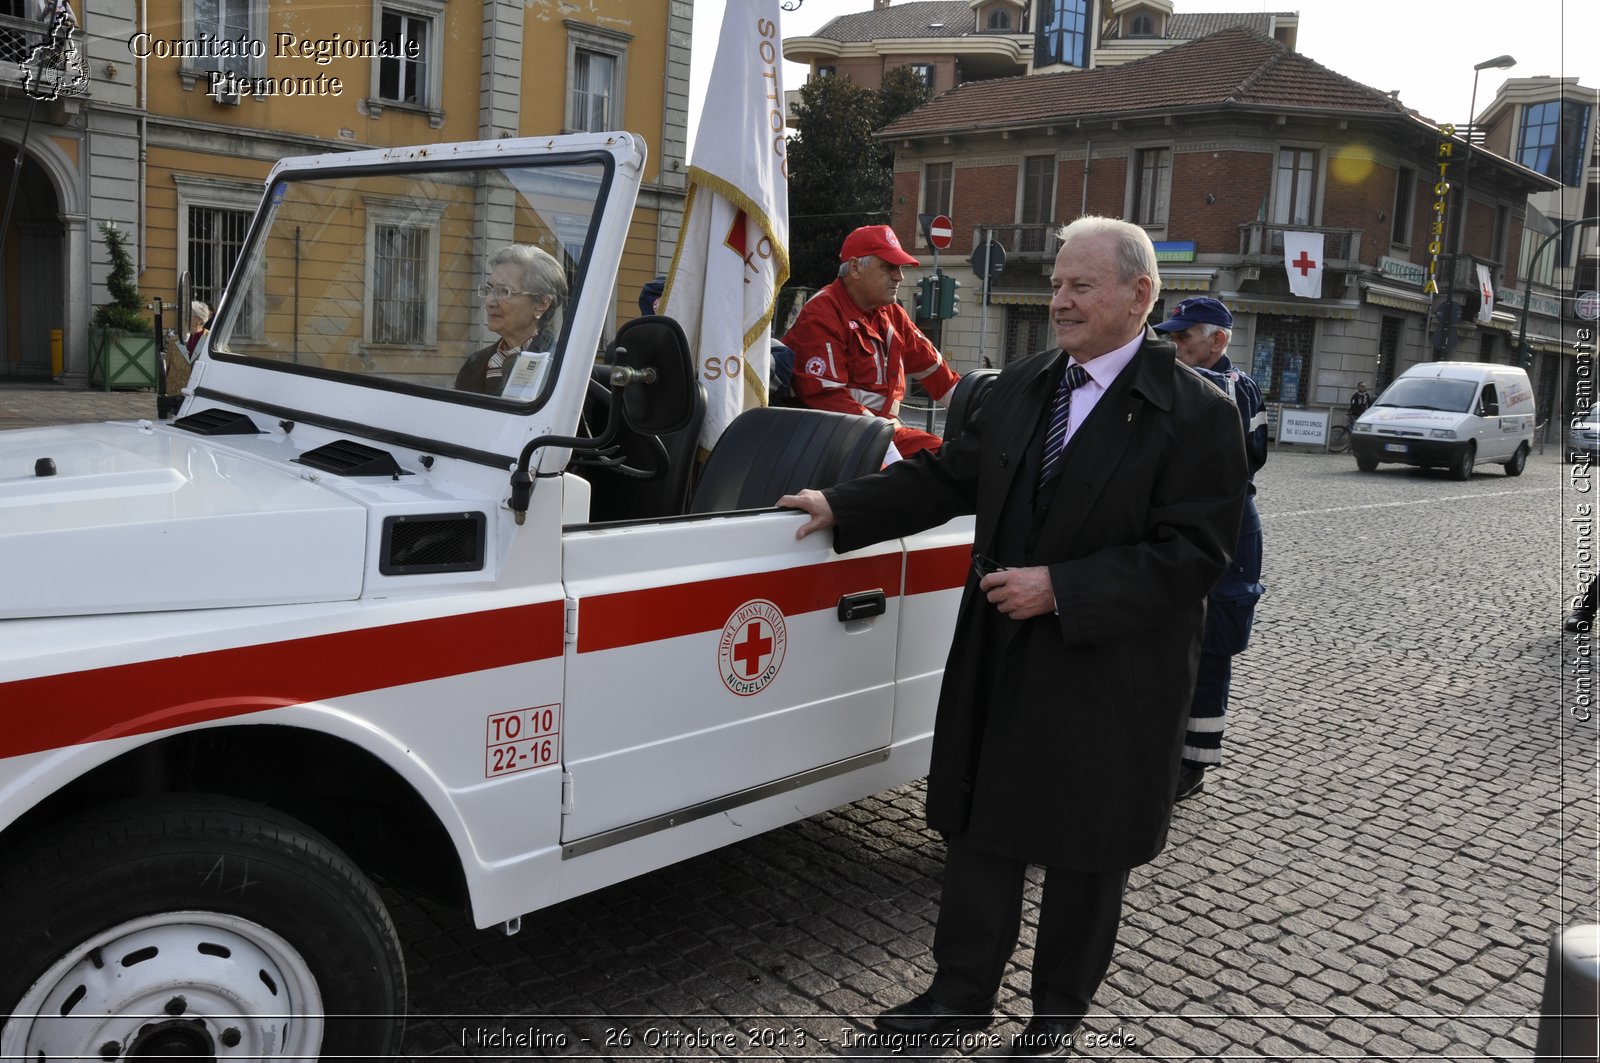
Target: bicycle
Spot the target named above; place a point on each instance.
(1338, 439)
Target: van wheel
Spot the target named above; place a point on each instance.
(1366, 463)
(1461, 464)
(194, 926)
(1518, 461)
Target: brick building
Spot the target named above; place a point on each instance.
(186, 104)
(1217, 147)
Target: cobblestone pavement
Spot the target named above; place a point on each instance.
(1405, 815)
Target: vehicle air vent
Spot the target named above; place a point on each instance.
(432, 542)
(346, 457)
(218, 422)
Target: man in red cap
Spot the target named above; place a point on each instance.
(855, 346)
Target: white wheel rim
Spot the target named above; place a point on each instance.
(196, 983)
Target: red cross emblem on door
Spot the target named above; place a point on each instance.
(751, 648)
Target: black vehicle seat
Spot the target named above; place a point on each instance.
(966, 400)
(769, 452)
(619, 496)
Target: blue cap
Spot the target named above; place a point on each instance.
(650, 294)
(1201, 311)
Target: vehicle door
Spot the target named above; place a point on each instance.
(1488, 424)
(715, 656)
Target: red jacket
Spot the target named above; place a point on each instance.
(852, 360)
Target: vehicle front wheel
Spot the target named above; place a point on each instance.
(194, 926)
(1366, 463)
(1461, 464)
(1518, 462)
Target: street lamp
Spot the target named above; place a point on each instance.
(1499, 62)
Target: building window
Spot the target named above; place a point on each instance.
(826, 71)
(402, 274)
(1038, 202)
(1405, 192)
(1063, 34)
(1486, 354)
(1544, 270)
(1142, 26)
(923, 71)
(1293, 191)
(597, 63)
(213, 220)
(1152, 186)
(1281, 359)
(228, 20)
(938, 183)
(999, 20)
(1551, 139)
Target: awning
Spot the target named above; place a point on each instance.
(1397, 298)
(1018, 298)
(1247, 304)
(1188, 280)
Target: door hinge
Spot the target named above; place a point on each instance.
(572, 621)
(566, 793)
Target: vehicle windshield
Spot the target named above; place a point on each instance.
(423, 279)
(1429, 393)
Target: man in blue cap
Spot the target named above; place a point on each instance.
(1201, 329)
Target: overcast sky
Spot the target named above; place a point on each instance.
(1424, 48)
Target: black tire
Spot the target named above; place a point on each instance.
(1366, 463)
(1338, 439)
(248, 913)
(1461, 464)
(1518, 462)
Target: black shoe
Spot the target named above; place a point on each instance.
(922, 1015)
(1044, 1038)
(1578, 623)
(1190, 781)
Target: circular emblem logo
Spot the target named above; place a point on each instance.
(750, 651)
(815, 366)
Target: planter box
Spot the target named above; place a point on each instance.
(125, 360)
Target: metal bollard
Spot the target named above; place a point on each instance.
(1569, 1015)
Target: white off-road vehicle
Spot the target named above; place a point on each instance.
(342, 619)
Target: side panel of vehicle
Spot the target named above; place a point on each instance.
(711, 658)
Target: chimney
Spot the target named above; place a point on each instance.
(879, 5)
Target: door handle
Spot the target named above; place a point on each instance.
(861, 605)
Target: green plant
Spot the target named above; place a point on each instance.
(125, 311)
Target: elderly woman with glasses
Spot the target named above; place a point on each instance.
(522, 303)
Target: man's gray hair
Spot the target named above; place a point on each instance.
(844, 267)
(1136, 255)
(1208, 329)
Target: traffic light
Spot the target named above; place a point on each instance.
(1525, 354)
(925, 307)
(949, 296)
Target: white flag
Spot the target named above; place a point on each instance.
(733, 251)
(1485, 295)
(1302, 257)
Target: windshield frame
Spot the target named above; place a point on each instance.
(230, 306)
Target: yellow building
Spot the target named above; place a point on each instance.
(167, 114)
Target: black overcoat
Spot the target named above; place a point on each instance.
(1058, 738)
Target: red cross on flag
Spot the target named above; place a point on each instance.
(1302, 257)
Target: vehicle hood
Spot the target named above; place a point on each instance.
(1407, 417)
(140, 517)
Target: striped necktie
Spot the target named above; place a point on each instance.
(1055, 440)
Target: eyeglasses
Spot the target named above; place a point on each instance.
(982, 566)
(499, 291)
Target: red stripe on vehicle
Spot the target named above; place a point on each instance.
(97, 704)
(610, 621)
(938, 569)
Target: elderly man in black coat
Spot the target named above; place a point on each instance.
(1108, 481)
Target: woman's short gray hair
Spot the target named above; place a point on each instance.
(541, 273)
(200, 310)
(1136, 255)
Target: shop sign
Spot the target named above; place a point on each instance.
(1401, 270)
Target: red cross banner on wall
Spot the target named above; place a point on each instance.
(1302, 257)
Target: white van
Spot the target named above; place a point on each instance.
(1450, 414)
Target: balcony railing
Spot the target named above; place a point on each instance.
(1031, 241)
(18, 38)
(1261, 243)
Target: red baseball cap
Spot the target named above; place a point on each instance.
(876, 240)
